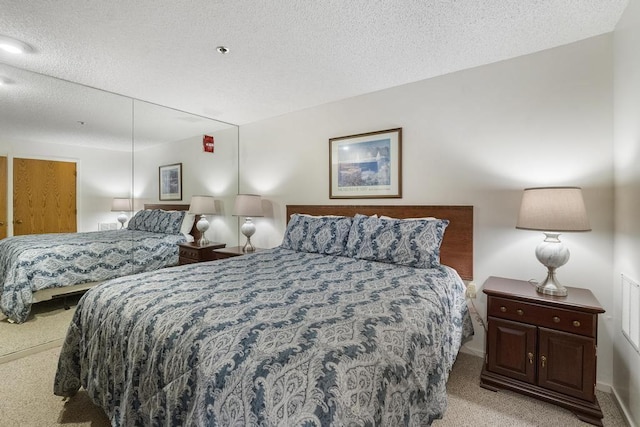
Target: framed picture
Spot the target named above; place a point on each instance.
(170, 182)
(366, 166)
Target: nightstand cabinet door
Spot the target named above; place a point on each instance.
(513, 349)
(567, 363)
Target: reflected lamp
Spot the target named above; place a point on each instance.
(122, 205)
(248, 206)
(552, 210)
(202, 205)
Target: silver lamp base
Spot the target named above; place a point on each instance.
(550, 285)
(552, 253)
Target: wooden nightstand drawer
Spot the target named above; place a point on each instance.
(189, 253)
(557, 318)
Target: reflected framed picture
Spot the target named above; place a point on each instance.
(170, 182)
(366, 166)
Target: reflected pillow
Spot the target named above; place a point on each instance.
(157, 221)
(414, 243)
(323, 235)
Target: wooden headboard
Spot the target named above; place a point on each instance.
(176, 207)
(457, 246)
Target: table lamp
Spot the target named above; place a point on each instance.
(248, 205)
(202, 205)
(552, 210)
(122, 205)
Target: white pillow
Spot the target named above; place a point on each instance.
(187, 223)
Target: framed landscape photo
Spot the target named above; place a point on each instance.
(366, 166)
(170, 182)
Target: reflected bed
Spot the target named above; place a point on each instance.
(35, 268)
(320, 330)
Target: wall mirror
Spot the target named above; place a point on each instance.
(116, 145)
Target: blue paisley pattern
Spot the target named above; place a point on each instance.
(414, 243)
(157, 221)
(34, 262)
(278, 338)
(322, 235)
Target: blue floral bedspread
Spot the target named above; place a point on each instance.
(273, 338)
(34, 262)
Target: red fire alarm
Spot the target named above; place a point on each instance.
(207, 143)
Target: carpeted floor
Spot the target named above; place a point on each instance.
(45, 328)
(26, 399)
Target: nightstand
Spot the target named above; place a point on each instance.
(543, 346)
(191, 252)
(231, 252)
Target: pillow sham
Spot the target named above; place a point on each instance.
(187, 223)
(323, 235)
(414, 243)
(157, 221)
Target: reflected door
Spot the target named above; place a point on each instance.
(3, 197)
(44, 197)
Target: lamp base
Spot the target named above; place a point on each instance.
(202, 226)
(248, 247)
(552, 253)
(551, 286)
(248, 229)
(122, 218)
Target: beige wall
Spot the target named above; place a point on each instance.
(475, 137)
(626, 361)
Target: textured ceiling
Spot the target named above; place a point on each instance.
(284, 55)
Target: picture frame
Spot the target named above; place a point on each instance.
(170, 182)
(366, 165)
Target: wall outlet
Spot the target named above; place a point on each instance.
(471, 290)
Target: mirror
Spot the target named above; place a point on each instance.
(163, 137)
(117, 145)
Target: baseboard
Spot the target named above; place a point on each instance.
(31, 350)
(623, 409)
(472, 351)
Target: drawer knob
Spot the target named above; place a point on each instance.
(556, 319)
(576, 323)
(503, 309)
(520, 312)
(530, 358)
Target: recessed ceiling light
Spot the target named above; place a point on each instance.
(14, 46)
(222, 50)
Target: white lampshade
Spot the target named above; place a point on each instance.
(552, 210)
(202, 205)
(248, 205)
(122, 205)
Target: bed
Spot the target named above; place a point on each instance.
(35, 268)
(339, 325)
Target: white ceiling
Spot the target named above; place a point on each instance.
(284, 55)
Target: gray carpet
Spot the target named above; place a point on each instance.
(46, 326)
(26, 399)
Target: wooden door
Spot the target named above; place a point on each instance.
(567, 363)
(512, 349)
(3, 197)
(44, 196)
